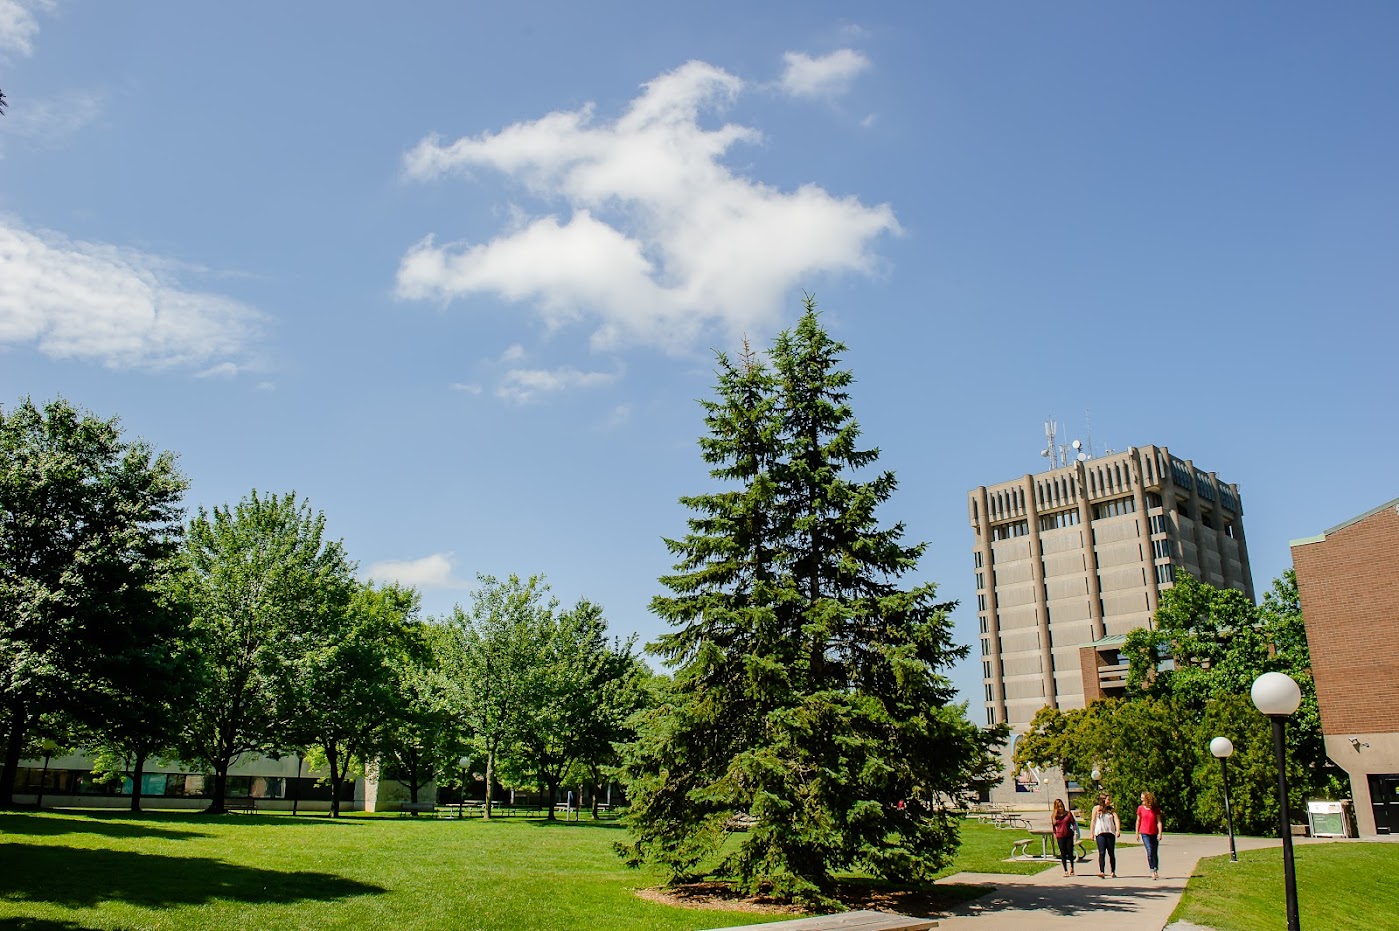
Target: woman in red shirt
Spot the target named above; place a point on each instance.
(1149, 831)
(1065, 826)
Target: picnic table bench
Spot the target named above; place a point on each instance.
(1020, 850)
(245, 805)
(406, 809)
(848, 921)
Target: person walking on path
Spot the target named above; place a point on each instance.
(1149, 831)
(1065, 827)
(1106, 829)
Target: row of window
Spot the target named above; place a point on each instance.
(1017, 528)
(1058, 519)
(1115, 508)
(176, 785)
(1165, 573)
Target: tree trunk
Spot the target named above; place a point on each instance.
(216, 806)
(136, 774)
(330, 757)
(490, 783)
(18, 728)
(553, 798)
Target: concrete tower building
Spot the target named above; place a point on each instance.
(1069, 560)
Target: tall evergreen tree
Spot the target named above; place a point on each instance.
(809, 696)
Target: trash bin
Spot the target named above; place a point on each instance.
(1331, 819)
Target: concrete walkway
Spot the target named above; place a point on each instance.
(1131, 902)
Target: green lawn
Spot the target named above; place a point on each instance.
(1340, 887)
(68, 870)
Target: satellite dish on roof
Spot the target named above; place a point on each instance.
(1078, 444)
(1082, 457)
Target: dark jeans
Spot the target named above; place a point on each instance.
(1152, 843)
(1107, 849)
(1066, 852)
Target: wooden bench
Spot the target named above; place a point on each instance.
(405, 809)
(847, 921)
(245, 805)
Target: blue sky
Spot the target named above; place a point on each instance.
(455, 272)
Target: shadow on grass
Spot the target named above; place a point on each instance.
(77, 878)
(51, 826)
(39, 924)
(574, 825)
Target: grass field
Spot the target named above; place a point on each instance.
(69, 870)
(1340, 887)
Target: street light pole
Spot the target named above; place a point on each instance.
(465, 764)
(1223, 748)
(1277, 696)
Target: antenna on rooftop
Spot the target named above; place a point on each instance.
(1088, 428)
(1060, 456)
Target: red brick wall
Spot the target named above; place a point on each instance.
(1349, 585)
(1088, 664)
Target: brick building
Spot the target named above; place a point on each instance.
(1348, 579)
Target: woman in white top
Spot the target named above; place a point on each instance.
(1106, 829)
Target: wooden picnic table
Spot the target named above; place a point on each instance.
(847, 921)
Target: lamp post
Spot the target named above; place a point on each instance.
(465, 764)
(49, 746)
(1277, 696)
(1223, 748)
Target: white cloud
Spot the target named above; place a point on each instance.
(465, 388)
(647, 236)
(513, 353)
(433, 571)
(53, 120)
(620, 417)
(122, 308)
(18, 25)
(521, 386)
(826, 76)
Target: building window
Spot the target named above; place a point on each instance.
(1017, 528)
(976, 558)
(1161, 549)
(1158, 523)
(981, 580)
(986, 669)
(981, 602)
(1114, 508)
(1058, 519)
(1153, 500)
(1165, 573)
(984, 624)
(988, 692)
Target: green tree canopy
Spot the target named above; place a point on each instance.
(88, 522)
(260, 579)
(809, 692)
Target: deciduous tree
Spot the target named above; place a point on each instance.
(260, 578)
(87, 523)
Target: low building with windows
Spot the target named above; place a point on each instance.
(67, 780)
(1069, 561)
(1348, 581)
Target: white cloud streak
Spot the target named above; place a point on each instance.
(433, 571)
(18, 25)
(51, 121)
(826, 76)
(523, 386)
(122, 308)
(659, 240)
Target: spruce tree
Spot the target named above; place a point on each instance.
(809, 700)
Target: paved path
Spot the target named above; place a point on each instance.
(1131, 902)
